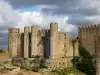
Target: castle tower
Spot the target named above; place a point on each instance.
(53, 39)
(76, 48)
(13, 41)
(26, 41)
(34, 39)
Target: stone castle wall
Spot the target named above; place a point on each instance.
(56, 63)
(88, 35)
(57, 47)
(76, 48)
(45, 43)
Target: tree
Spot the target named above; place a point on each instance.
(84, 62)
(44, 38)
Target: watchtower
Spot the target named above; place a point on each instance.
(34, 41)
(53, 39)
(13, 41)
(26, 41)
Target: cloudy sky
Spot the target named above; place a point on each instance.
(68, 13)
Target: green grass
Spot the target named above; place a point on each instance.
(66, 71)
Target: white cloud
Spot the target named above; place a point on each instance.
(10, 17)
(29, 18)
(43, 21)
(93, 3)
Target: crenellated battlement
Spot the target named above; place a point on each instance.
(89, 26)
(14, 30)
(88, 35)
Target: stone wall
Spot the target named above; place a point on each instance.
(65, 45)
(26, 42)
(54, 40)
(45, 43)
(88, 35)
(34, 41)
(58, 63)
(22, 44)
(76, 48)
(13, 41)
(40, 43)
(50, 44)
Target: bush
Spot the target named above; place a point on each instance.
(42, 63)
(66, 71)
(84, 62)
(35, 69)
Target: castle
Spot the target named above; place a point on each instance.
(55, 46)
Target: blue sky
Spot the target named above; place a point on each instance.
(30, 9)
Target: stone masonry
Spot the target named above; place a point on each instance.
(88, 36)
(34, 41)
(13, 44)
(50, 44)
(26, 42)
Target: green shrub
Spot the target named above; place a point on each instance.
(84, 62)
(66, 71)
(35, 69)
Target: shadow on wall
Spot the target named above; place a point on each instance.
(30, 45)
(47, 44)
(22, 45)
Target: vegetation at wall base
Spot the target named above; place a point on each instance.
(3, 70)
(35, 69)
(66, 71)
(84, 62)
